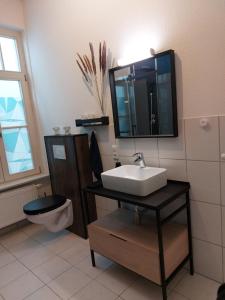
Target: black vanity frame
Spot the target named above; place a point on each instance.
(154, 202)
(173, 91)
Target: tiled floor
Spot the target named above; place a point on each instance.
(38, 265)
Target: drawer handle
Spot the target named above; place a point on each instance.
(117, 237)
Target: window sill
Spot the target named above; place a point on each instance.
(21, 182)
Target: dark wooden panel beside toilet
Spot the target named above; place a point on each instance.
(69, 167)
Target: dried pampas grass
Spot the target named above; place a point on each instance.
(95, 74)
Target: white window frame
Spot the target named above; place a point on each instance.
(20, 76)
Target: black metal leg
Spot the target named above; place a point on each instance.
(189, 234)
(161, 255)
(93, 258)
(119, 204)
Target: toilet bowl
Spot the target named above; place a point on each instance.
(54, 212)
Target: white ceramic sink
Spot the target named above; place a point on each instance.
(134, 180)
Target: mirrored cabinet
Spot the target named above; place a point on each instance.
(144, 97)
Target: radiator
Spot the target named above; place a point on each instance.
(12, 202)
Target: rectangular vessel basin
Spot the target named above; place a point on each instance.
(134, 180)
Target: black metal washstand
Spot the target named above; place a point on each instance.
(155, 202)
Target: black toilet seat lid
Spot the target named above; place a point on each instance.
(43, 205)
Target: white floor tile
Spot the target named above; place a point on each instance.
(197, 287)
(32, 229)
(25, 248)
(37, 258)
(11, 272)
(51, 269)
(13, 238)
(95, 291)
(143, 289)
(62, 243)
(45, 236)
(6, 258)
(44, 293)
(117, 278)
(102, 263)
(70, 282)
(22, 287)
(176, 296)
(179, 276)
(76, 254)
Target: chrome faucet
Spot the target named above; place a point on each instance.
(140, 158)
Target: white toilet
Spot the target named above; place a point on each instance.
(54, 212)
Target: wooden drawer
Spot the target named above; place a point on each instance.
(136, 246)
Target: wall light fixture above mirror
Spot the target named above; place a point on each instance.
(144, 97)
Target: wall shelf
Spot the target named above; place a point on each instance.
(102, 121)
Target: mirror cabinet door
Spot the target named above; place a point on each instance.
(144, 98)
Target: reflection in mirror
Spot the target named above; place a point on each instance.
(144, 97)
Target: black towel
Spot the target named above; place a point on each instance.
(96, 161)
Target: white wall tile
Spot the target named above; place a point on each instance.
(127, 160)
(99, 212)
(102, 202)
(130, 160)
(222, 134)
(204, 178)
(180, 218)
(206, 222)
(202, 143)
(107, 162)
(126, 147)
(105, 212)
(176, 169)
(173, 147)
(148, 146)
(112, 205)
(152, 161)
(208, 259)
(98, 201)
(106, 204)
(222, 178)
(106, 138)
(223, 264)
(223, 225)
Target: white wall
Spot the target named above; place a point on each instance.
(11, 14)
(56, 30)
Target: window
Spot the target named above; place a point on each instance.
(17, 154)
